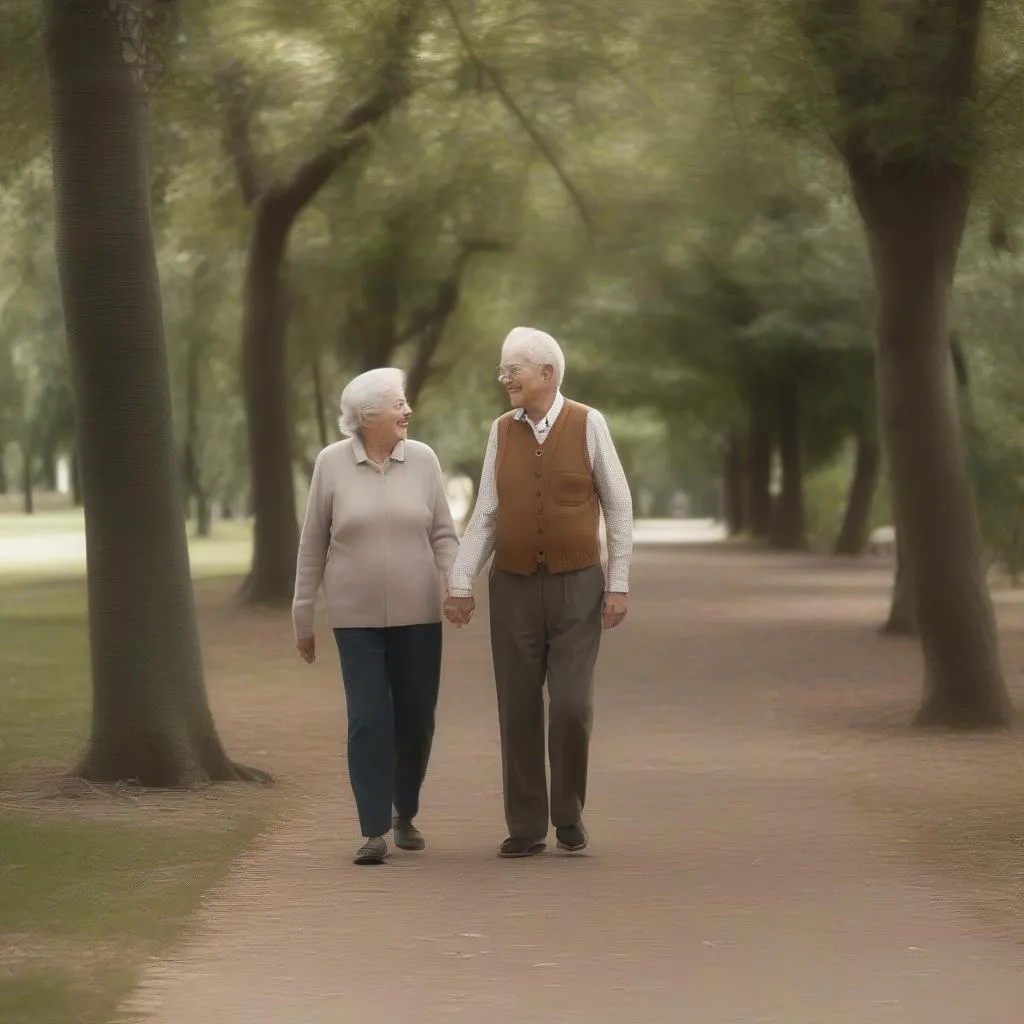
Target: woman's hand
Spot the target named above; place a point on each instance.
(306, 646)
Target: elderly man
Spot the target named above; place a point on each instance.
(549, 472)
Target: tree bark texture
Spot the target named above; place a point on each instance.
(915, 214)
(151, 722)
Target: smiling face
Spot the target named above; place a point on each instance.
(384, 429)
(529, 386)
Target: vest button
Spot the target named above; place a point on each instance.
(539, 452)
(536, 494)
(540, 530)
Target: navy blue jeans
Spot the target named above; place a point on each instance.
(392, 676)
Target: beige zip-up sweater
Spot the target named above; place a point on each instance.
(378, 540)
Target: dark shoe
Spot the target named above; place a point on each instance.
(373, 851)
(408, 836)
(571, 838)
(514, 847)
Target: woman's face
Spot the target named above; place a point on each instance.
(391, 425)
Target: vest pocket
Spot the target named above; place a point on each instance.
(571, 489)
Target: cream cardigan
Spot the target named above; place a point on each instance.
(378, 540)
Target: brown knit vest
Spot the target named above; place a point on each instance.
(548, 512)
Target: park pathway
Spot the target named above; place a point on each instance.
(730, 877)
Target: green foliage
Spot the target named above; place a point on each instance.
(721, 252)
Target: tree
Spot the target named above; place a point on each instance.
(911, 149)
(151, 720)
(276, 205)
(852, 538)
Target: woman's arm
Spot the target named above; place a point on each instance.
(313, 546)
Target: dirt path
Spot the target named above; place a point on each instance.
(752, 857)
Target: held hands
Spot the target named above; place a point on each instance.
(306, 646)
(459, 610)
(614, 611)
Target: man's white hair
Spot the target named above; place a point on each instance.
(533, 346)
(368, 395)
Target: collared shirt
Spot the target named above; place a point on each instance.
(612, 494)
(359, 451)
(379, 539)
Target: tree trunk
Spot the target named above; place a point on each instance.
(204, 514)
(264, 318)
(759, 471)
(48, 464)
(789, 525)
(264, 387)
(193, 476)
(915, 215)
(734, 476)
(76, 477)
(28, 503)
(901, 607)
(320, 401)
(151, 722)
(853, 534)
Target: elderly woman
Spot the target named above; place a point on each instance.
(378, 534)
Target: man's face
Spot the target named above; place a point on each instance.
(525, 382)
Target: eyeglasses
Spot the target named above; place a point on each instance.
(508, 374)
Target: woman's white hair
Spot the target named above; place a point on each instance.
(533, 346)
(368, 395)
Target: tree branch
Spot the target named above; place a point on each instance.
(238, 100)
(292, 194)
(447, 296)
(427, 325)
(513, 107)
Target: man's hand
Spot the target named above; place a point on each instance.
(306, 646)
(615, 608)
(459, 610)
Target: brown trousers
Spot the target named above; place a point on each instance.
(545, 627)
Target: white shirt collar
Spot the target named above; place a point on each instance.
(547, 421)
(359, 450)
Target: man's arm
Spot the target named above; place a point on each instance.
(616, 501)
(478, 540)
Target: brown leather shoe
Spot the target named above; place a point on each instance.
(408, 836)
(517, 847)
(572, 838)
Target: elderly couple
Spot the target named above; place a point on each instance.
(376, 534)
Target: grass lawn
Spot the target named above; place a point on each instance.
(91, 887)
